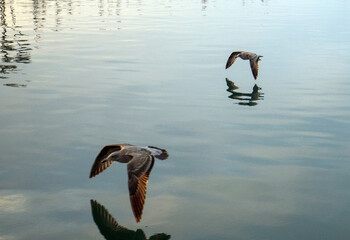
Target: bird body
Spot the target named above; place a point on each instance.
(252, 57)
(140, 161)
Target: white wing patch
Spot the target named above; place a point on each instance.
(154, 151)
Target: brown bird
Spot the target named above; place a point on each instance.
(139, 161)
(253, 58)
(112, 230)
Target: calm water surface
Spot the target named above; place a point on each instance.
(273, 164)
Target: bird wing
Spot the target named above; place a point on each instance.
(108, 226)
(139, 169)
(100, 166)
(231, 85)
(254, 66)
(232, 59)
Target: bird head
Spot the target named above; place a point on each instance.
(259, 58)
(117, 154)
(256, 88)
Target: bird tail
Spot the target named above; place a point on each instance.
(159, 153)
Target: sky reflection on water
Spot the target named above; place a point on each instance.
(152, 73)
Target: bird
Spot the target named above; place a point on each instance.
(253, 58)
(140, 161)
(112, 230)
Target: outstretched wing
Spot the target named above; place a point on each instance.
(139, 169)
(100, 166)
(231, 85)
(232, 59)
(254, 66)
(107, 225)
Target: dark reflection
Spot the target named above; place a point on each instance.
(6, 69)
(39, 10)
(204, 5)
(14, 45)
(58, 12)
(112, 230)
(14, 85)
(248, 99)
(262, 1)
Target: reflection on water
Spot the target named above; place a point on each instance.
(14, 44)
(247, 99)
(112, 230)
(262, 1)
(15, 85)
(6, 69)
(204, 5)
(19, 23)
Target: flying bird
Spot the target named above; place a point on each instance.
(112, 230)
(253, 58)
(139, 161)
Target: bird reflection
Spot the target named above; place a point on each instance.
(15, 85)
(248, 99)
(112, 230)
(140, 161)
(204, 5)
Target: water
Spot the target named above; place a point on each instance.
(77, 75)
